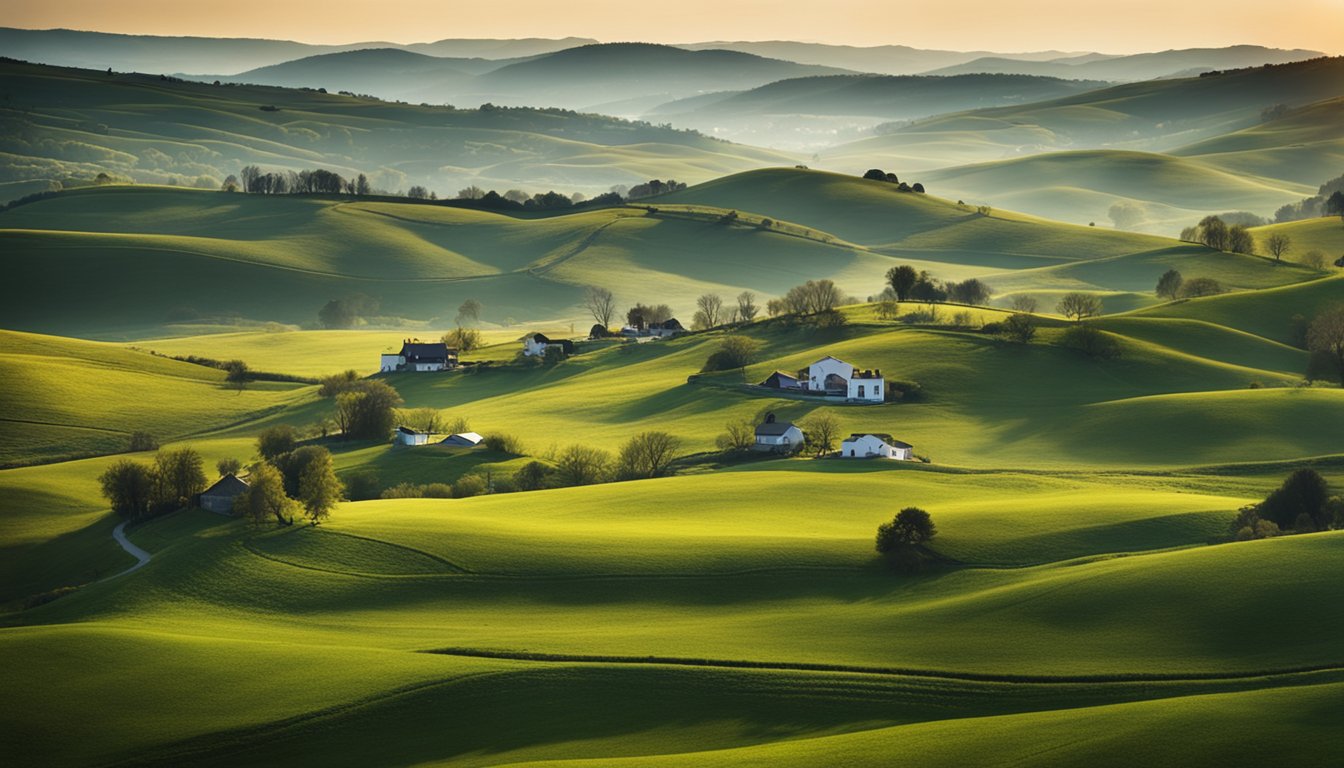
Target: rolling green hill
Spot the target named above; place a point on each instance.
(1134, 67)
(72, 122)
(1265, 313)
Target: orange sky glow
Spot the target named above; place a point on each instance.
(1120, 26)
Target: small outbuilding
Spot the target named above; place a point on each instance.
(463, 440)
(408, 436)
(219, 497)
(536, 344)
(666, 328)
(782, 380)
(778, 436)
(875, 445)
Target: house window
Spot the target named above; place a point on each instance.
(860, 390)
(851, 451)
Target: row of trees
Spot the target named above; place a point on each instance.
(1171, 285)
(877, 174)
(254, 180)
(137, 491)
(289, 480)
(646, 455)
(1237, 238)
(905, 283)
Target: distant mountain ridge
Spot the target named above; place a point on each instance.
(1140, 66)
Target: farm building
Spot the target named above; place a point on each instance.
(833, 376)
(419, 356)
(535, 345)
(782, 380)
(220, 496)
(778, 436)
(408, 436)
(868, 445)
(666, 328)
(463, 440)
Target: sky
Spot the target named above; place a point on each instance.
(1118, 26)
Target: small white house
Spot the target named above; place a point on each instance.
(463, 440)
(418, 356)
(829, 374)
(870, 445)
(778, 436)
(408, 436)
(536, 344)
(866, 386)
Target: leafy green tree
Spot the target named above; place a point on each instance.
(1326, 336)
(734, 352)
(319, 488)
(229, 467)
(368, 412)
(469, 485)
(532, 476)
(911, 527)
(276, 441)
(469, 312)
(1213, 233)
(1304, 492)
(129, 487)
(1239, 239)
(1200, 286)
(1169, 285)
(463, 339)
(181, 475)
(236, 374)
(265, 498)
(902, 278)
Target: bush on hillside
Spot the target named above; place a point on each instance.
(468, 486)
(1304, 494)
(501, 442)
(128, 487)
(337, 383)
(581, 465)
(739, 436)
(1169, 285)
(1090, 341)
(1325, 338)
(142, 441)
(276, 441)
(901, 541)
(366, 412)
(646, 455)
(532, 476)
(1019, 327)
(228, 467)
(1248, 525)
(733, 352)
(362, 485)
(1200, 286)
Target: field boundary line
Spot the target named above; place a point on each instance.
(801, 666)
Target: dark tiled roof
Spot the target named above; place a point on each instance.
(422, 351)
(228, 485)
(773, 428)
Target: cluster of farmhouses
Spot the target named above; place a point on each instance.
(829, 377)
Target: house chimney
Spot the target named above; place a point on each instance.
(769, 418)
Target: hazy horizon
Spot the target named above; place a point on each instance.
(1133, 26)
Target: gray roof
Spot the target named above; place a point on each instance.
(773, 428)
(229, 485)
(426, 351)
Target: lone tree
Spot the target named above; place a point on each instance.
(600, 304)
(911, 527)
(276, 441)
(129, 487)
(1079, 306)
(319, 489)
(265, 498)
(739, 436)
(746, 307)
(902, 278)
(821, 429)
(648, 454)
(462, 339)
(367, 412)
(734, 352)
(1169, 284)
(1326, 336)
(1019, 327)
(1024, 304)
(236, 374)
(581, 465)
(1299, 503)
(469, 312)
(229, 467)
(709, 312)
(180, 474)
(1126, 215)
(1278, 244)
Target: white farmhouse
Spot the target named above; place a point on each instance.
(778, 436)
(866, 445)
(419, 356)
(535, 344)
(833, 376)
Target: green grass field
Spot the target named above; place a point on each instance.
(1085, 606)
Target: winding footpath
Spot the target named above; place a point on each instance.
(141, 556)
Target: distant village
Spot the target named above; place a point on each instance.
(829, 378)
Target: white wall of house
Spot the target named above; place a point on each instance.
(533, 348)
(826, 366)
(388, 363)
(867, 390)
(870, 445)
(427, 366)
(792, 438)
(412, 439)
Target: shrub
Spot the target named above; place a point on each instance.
(404, 491)
(1304, 492)
(228, 467)
(362, 485)
(337, 383)
(648, 454)
(734, 352)
(366, 412)
(468, 486)
(1019, 327)
(1200, 286)
(142, 441)
(963, 319)
(581, 465)
(532, 476)
(1090, 341)
(904, 391)
(276, 441)
(740, 436)
(503, 443)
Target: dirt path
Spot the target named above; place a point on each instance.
(141, 556)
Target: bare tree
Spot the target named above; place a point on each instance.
(1079, 306)
(710, 311)
(470, 311)
(581, 465)
(740, 436)
(648, 454)
(746, 307)
(600, 304)
(821, 429)
(1278, 244)
(472, 192)
(1024, 304)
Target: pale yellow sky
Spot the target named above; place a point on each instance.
(1118, 26)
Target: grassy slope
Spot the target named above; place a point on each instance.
(1296, 147)
(1265, 313)
(1325, 234)
(65, 397)
(158, 129)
